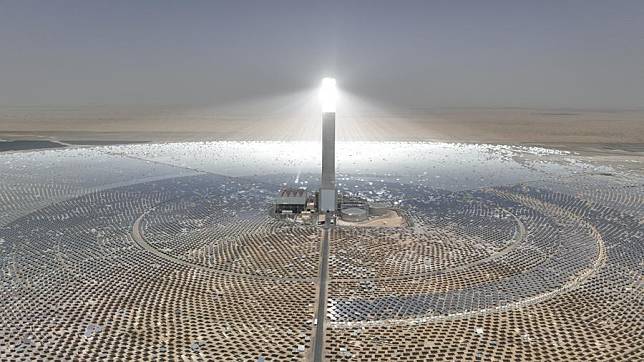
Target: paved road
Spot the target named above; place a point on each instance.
(318, 352)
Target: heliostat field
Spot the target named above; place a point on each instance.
(160, 252)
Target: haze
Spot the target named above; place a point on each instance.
(410, 54)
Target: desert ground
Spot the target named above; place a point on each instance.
(617, 130)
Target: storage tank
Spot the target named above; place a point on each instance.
(354, 214)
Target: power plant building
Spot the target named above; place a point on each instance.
(291, 201)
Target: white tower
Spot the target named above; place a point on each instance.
(328, 96)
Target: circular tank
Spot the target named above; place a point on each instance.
(354, 214)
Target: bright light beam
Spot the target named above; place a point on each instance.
(328, 95)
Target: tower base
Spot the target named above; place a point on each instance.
(327, 200)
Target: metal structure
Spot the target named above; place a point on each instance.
(291, 200)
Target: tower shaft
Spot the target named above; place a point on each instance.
(327, 181)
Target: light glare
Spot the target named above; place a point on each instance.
(328, 95)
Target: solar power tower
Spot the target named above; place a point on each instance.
(328, 95)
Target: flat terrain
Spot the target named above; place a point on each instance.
(19, 145)
(153, 251)
(123, 244)
(599, 129)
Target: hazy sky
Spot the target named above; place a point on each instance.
(407, 53)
